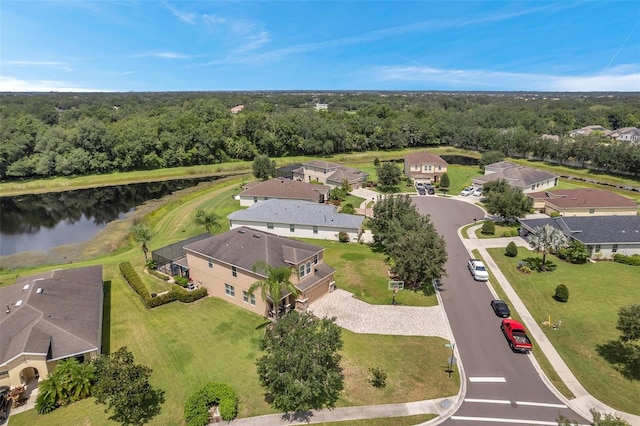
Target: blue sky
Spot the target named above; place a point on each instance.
(150, 45)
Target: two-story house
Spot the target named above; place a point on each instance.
(424, 167)
(224, 264)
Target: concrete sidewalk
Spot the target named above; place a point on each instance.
(583, 401)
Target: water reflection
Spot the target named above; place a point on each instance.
(42, 221)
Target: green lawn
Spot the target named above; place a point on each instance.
(363, 272)
(596, 292)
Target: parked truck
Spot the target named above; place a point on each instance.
(516, 335)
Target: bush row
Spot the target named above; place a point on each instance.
(633, 260)
(160, 275)
(176, 292)
(196, 408)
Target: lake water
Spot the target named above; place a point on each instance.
(43, 221)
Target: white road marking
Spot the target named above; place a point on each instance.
(488, 401)
(487, 379)
(541, 404)
(497, 420)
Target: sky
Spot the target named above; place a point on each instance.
(235, 45)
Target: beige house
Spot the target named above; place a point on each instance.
(424, 167)
(331, 174)
(526, 179)
(583, 202)
(224, 265)
(284, 189)
(47, 318)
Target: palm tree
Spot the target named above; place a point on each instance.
(545, 239)
(142, 234)
(207, 218)
(276, 283)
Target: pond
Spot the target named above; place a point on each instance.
(43, 221)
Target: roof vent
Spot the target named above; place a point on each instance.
(241, 231)
(256, 236)
(26, 287)
(18, 303)
(39, 290)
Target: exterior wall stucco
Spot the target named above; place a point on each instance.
(588, 212)
(300, 231)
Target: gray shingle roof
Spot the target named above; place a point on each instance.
(243, 247)
(298, 213)
(286, 188)
(584, 198)
(594, 229)
(64, 319)
(519, 176)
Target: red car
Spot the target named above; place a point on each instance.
(516, 335)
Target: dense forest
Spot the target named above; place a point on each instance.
(62, 134)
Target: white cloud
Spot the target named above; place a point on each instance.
(54, 64)
(163, 55)
(10, 84)
(213, 21)
(255, 41)
(625, 79)
(187, 17)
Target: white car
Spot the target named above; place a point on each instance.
(477, 192)
(478, 270)
(467, 191)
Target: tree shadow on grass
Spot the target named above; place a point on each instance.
(106, 318)
(621, 357)
(535, 264)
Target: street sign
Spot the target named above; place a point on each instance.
(450, 345)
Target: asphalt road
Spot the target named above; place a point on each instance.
(502, 386)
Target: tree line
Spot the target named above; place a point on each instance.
(45, 135)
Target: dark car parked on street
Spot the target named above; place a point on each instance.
(500, 308)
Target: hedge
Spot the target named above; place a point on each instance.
(196, 408)
(633, 260)
(160, 275)
(175, 293)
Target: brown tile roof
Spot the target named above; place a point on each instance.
(64, 319)
(286, 188)
(584, 197)
(424, 157)
(243, 247)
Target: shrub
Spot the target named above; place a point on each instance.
(488, 227)
(562, 253)
(554, 214)
(343, 237)
(132, 277)
(562, 293)
(181, 281)
(151, 264)
(511, 250)
(196, 408)
(348, 209)
(633, 260)
(515, 232)
(160, 275)
(577, 252)
(378, 377)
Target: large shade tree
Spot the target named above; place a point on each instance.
(276, 284)
(389, 174)
(546, 239)
(300, 369)
(503, 200)
(263, 167)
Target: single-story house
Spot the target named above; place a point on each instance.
(587, 130)
(424, 167)
(606, 235)
(47, 318)
(583, 202)
(224, 264)
(628, 134)
(331, 174)
(283, 189)
(172, 259)
(293, 218)
(524, 178)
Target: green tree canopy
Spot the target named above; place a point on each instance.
(142, 234)
(124, 388)
(629, 323)
(389, 174)
(546, 239)
(392, 216)
(301, 367)
(490, 157)
(505, 201)
(444, 182)
(207, 218)
(277, 284)
(263, 167)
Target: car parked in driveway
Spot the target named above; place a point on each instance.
(430, 189)
(422, 191)
(477, 192)
(478, 271)
(500, 308)
(467, 191)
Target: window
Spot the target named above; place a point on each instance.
(234, 271)
(308, 268)
(210, 263)
(301, 271)
(255, 199)
(249, 299)
(597, 248)
(614, 248)
(315, 229)
(4, 373)
(230, 290)
(269, 225)
(439, 167)
(592, 211)
(252, 299)
(315, 259)
(292, 228)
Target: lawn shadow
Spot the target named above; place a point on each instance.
(298, 416)
(106, 318)
(535, 264)
(620, 356)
